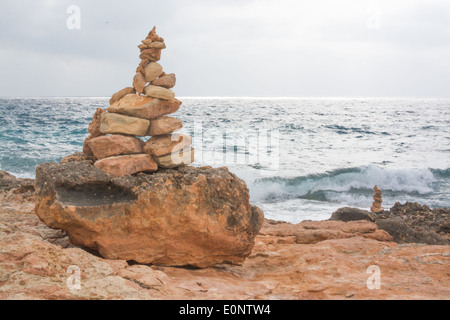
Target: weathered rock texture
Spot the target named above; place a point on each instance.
(408, 223)
(122, 93)
(421, 217)
(94, 131)
(139, 83)
(15, 190)
(113, 123)
(310, 260)
(126, 165)
(189, 216)
(77, 156)
(164, 125)
(144, 107)
(167, 81)
(182, 158)
(94, 126)
(159, 92)
(115, 145)
(159, 146)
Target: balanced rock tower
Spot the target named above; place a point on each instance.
(123, 207)
(141, 111)
(378, 201)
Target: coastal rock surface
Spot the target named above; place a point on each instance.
(310, 260)
(189, 216)
(76, 157)
(15, 190)
(94, 126)
(408, 223)
(421, 217)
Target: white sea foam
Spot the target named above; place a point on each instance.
(345, 180)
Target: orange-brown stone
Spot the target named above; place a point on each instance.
(122, 93)
(167, 81)
(115, 145)
(139, 83)
(164, 125)
(114, 123)
(144, 107)
(86, 149)
(94, 126)
(153, 36)
(166, 144)
(127, 165)
(152, 54)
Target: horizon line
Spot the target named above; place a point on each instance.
(247, 97)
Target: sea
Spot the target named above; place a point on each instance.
(302, 158)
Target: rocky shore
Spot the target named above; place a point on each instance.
(311, 260)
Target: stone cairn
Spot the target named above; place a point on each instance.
(378, 201)
(141, 111)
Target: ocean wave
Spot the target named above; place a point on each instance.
(348, 130)
(441, 173)
(355, 181)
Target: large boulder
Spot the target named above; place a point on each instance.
(189, 216)
(351, 214)
(421, 217)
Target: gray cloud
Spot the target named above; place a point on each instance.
(229, 48)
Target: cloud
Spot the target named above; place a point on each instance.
(237, 48)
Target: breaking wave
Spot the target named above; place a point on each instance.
(351, 182)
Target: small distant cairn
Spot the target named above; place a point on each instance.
(378, 201)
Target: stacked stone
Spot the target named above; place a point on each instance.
(141, 111)
(378, 201)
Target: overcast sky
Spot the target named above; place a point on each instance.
(294, 48)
